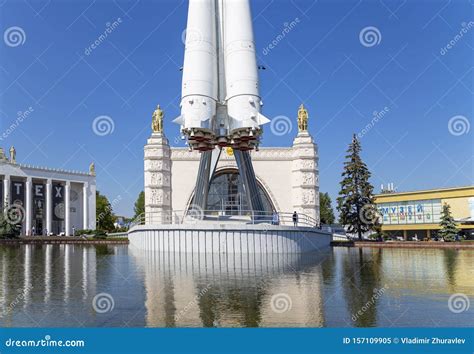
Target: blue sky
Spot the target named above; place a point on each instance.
(423, 140)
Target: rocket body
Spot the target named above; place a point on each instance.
(199, 86)
(220, 103)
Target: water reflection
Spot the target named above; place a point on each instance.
(362, 286)
(55, 285)
(230, 290)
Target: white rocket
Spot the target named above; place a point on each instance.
(220, 102)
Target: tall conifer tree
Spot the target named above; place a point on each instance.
(355, 203)
(449, 229)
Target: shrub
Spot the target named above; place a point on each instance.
(8, 230)
(100, 235)
(84, 232)
(378, 236)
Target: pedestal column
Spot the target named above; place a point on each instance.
(305, 176)
(157, 180)
(49, 206)
(6, 192)
(67, 216)
(28, 205)
(85, 206)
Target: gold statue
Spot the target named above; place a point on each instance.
(2, 154)
(92, 169)
(12, 155)
(302, 119)
(157, 120)
(229, 151)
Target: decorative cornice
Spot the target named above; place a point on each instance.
(264, 154)
(71, 172)
(47, 169)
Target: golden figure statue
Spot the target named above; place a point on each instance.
(302, 119)
(12, 155)
(2, 154)
(92, 169)
(229, 151)
(157, 120)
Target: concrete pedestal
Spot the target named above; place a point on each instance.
(157, 180)
(229, 239)
(305, 176)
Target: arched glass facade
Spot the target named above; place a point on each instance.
(226, 193)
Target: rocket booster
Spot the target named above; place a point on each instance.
(220, 103)
(243, 99)
(199, 86)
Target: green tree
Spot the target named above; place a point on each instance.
(448, 227)
(325, 209)
(139, 207)
(355, 203)
(104, 213)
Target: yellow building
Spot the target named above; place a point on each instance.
(410, 214)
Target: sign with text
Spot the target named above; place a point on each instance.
(17, 192)
(411, 212)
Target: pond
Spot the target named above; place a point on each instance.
(119, 286)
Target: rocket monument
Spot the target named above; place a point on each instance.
(220, 101)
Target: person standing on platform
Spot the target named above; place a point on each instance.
(295, 218)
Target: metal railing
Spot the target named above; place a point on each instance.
(198, 216)
(340, 237)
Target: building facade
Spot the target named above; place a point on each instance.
(287, 178)
(47, 201)
(418, 213)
